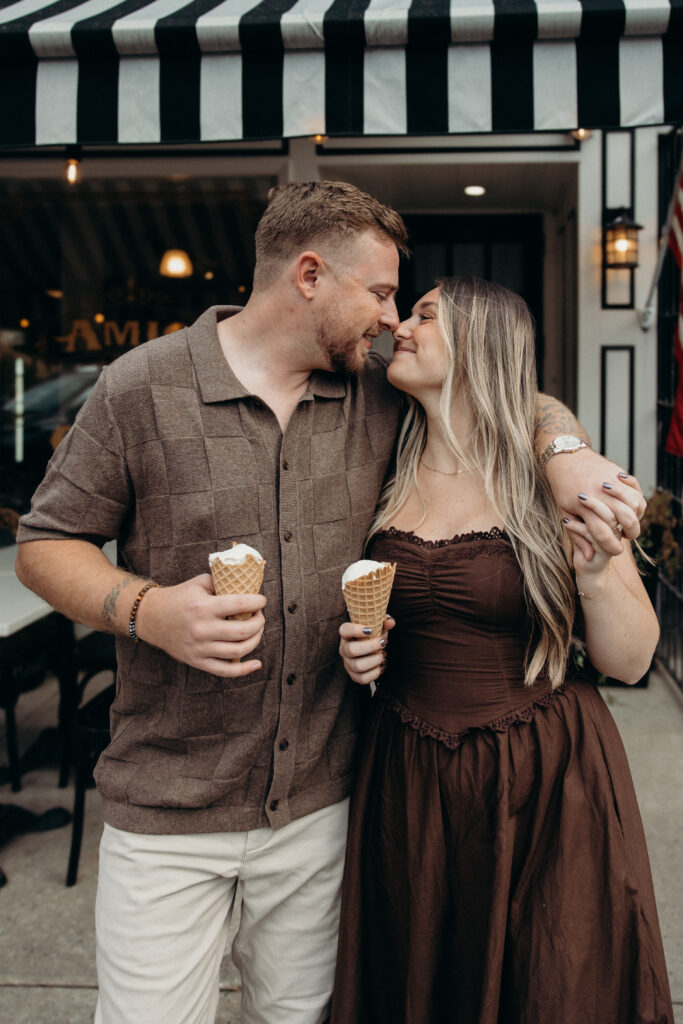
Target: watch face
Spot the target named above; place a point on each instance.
(566, 443)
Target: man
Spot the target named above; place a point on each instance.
(271, 425)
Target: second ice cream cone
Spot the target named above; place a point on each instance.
(367, 597)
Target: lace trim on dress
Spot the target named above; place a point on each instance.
(454, 739)
(495, 533)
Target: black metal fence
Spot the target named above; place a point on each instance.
(669, 467)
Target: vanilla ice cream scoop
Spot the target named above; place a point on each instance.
(366, 586)
(234, 555)
(361, 568)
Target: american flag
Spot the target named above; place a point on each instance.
(674, 441)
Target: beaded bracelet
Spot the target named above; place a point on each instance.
(134, 611)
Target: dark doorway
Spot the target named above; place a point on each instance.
(507, 249)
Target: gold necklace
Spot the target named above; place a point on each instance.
(455, 472)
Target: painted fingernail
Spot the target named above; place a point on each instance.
(383, 642)
(624, 476)
(583, 497)
(608, 487)
(565, 520)
(367, 630)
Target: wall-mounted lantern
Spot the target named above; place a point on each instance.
(619, 229)
(621, 241)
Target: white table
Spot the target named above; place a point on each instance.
(19, 607)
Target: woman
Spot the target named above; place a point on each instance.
(496, 868)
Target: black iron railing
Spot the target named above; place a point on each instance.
(669, 467)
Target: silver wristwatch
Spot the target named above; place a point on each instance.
(566, 443)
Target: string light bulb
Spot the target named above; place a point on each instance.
(72, 167)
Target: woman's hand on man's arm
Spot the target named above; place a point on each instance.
(585, 472)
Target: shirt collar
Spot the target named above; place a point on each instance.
(217, 382)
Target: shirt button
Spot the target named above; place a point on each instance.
(287, 535)
(291, 679)
(292, 607)
(274, 804)
(284, 744)
(285, 464)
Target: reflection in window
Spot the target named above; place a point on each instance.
(80, 284)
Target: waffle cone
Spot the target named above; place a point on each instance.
(243, 578)
(367, 597)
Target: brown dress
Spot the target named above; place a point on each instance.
(496, 869)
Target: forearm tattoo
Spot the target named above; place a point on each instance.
(109, 606)
(552, 419)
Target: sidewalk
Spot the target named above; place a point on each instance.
(47, 969)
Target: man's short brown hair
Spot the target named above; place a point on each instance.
(302, 214)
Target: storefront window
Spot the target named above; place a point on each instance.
(80, 283)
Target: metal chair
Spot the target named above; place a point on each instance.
(89, 732)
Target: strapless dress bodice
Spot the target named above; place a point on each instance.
(456, 656)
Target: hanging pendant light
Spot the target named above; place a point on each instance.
(176, 263)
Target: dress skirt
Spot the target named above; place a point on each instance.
(501, 879)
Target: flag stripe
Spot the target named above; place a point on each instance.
(674, 440)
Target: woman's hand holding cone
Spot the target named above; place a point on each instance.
(364, 657)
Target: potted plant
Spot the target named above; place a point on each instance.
(658, 538)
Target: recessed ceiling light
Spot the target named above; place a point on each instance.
(475, 190)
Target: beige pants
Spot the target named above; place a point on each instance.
(163, 912)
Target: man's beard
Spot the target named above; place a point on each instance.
(344, 356)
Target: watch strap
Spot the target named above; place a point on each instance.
(551, 450)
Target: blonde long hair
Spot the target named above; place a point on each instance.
(488, 339)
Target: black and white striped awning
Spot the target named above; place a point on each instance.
(169, 71)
